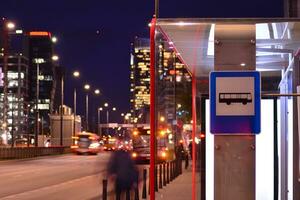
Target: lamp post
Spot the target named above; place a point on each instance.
(87, 88)
(61, 109)
(123, 115)
(76, 75)
(96, 128)
(107, 115)
(99, 121)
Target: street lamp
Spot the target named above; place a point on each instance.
(10, 25)
(107, 114)
(87, 88)
(97, 92)
(99, 119)
(76, 75)
(54, 39)
(55, 58)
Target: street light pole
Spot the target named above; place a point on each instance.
(76, 74)
(61, 110)
(87, 111)
(37, 105)
(74, 123)
(12, 123)
(99, 119)
(87, 88)
(5, 58)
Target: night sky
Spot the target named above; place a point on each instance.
(103, 58)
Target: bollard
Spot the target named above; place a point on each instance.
(180, 166)
(156, 181)
(164, 174)
(104, 191)
(168, 173)
(160, 176)
(128, 194)
(176, 168)
(144, 192)
(171, 171)
(136, 192)
(149, 183)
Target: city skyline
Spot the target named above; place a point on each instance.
(99, 34)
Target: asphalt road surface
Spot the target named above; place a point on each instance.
(53, 177)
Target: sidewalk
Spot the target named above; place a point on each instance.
(178, 189)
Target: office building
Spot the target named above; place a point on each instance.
(40, 47)
(14, 91)
(16, 112)
(140, 80)
(174, 82)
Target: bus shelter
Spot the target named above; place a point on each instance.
(183, 54)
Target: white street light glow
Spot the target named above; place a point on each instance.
(55, 57)
(76, 73)
(10, 25)
(87, 86)
(54, 39)
(97, 91)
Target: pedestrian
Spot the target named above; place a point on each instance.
(191, 150)
(121, 168)
(186, 160)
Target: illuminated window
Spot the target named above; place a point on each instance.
(12, 75)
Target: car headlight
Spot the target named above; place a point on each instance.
(94, 145)
(134, 155)
(163, 154)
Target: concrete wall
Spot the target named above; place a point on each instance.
(68, 129)
(30, 152)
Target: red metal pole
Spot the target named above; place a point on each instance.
(152, 109)
(194, 117)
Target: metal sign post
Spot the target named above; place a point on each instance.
(234, 155)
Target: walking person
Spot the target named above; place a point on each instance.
(122, 170)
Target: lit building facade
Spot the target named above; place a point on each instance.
(140, 80)
(13, 86)
(175, 83)
(40, 46)
(16, 112)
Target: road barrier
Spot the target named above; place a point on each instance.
(164, 172)
(30, 152)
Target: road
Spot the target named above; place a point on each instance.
(53, 177)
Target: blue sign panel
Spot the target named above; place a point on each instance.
(235, 102)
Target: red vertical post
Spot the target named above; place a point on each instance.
(194, 118)
(152, 109)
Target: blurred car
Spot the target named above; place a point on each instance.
(109, 144)
(86, 143)
(22, 142)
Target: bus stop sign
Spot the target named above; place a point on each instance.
(234, 102)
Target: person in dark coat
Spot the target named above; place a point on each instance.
(122, 168)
